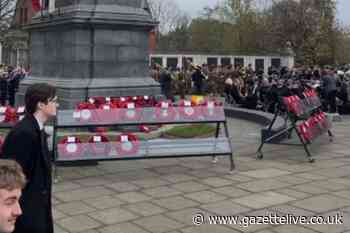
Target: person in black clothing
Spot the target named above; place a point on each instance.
(165, 83)
(3, 88)
(198, 81)
(13, 84)
(27, 144)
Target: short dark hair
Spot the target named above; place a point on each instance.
(39, 92)
(11, 175)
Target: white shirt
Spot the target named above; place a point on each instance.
(41, 124)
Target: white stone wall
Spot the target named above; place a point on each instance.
(200, 59)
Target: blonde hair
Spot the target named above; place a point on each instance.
(11, 175)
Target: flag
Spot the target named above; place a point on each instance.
(36, 4)
(51, 6)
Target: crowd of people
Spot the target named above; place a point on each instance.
(10, 78)
(245, 87)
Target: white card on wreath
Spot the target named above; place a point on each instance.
(210, 104)
(97, 139)
(131, 105)
(76, 114)
(71, 139)
(187, 103)
(108, 99)
(124, 138)
(106, 107)
(2, 109)
(20, 109)
(165, 105)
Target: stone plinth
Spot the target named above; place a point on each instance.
(92, 48)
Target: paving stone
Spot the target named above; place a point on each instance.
(190, 186)
(133, 197)
(322, 203)
(185, 216)
(175, 203)
(239, 178)
(309, 188)
(171, 170)
(227, 207)
(176, 178)
(74, 208)
(79, 194)
(205, 197)
(123, 228)
(292, 228)
(291, 179)
(161, 191)
(208, 228)
(288, 209)
(145, 209)
(104, 202)
(332, 228)
(217, 182)
(265, 173)
(57, 214)
(158, 224)
(231, 191)
(325, 184)
(261, 200)
(79, 223)
(112, 216)
(123, 187)
(334, 172)
(266, 231)
(343, 194)
(92, 181)
(311, 176)
(293, 193)
(150, 183)
(262, 185)
(203, 173)
(58, 229)
(64, 186)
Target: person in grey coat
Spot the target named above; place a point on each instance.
(330, 89)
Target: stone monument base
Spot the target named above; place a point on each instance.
(74, 91)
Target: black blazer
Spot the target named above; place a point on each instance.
(24, 144)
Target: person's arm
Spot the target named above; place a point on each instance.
(19, 146)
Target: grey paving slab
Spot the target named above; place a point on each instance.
(332, 227)
(122, 228)
(208, 228)
(176, 178)
(145, 209)
(133, 197)
(74, 208)
(231, 191)
(158, 224)
(206, 196)
(265, 173)
(293, 193)
(79, 223)
(263, 185)
(175, 203)
(150, 183)
(292, 228)
(264, 199)
(186, 216)
(123, 186)
(162, 191)
(217, 182)
(227, 207)
(103, 202)
(79, 194)
(112, 216)
(322, 203)
(190, 186)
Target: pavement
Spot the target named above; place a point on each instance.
(162, 196)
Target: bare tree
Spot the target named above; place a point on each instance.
(168, 14)
(7, 8)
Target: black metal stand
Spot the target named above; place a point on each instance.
(289, 130)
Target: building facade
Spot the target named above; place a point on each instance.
(258, 62)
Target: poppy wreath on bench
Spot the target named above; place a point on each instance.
(99, 145)
(108, 112)
(70, 146)
(130, 111)
(127, 144)
(85, 112)
(188, 110)
(209, 108)
(164, 111)
(11, 115)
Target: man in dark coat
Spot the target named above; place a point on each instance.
(26, 143)
(198, 80)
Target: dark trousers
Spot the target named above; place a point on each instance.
(331, 101)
